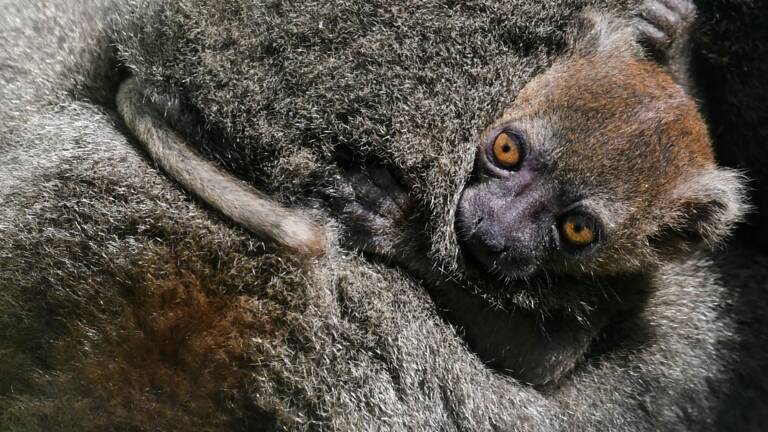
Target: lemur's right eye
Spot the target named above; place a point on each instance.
(507, 150)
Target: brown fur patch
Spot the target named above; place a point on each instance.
(150, 327)
(177, 357)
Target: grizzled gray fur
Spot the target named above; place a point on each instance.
(125, 304)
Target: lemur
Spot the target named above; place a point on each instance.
(600, 170)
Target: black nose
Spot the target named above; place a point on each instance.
(486, 247)
(485, 251)
(505, 230)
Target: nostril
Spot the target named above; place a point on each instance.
(476, 225)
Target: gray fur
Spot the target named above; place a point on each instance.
(101, 253)
(244, 205)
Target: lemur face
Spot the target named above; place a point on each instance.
(592, 170)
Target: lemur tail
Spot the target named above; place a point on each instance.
(234, 198)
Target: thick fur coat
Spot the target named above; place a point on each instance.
(125, 304)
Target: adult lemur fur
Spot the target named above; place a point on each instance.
(127, 305)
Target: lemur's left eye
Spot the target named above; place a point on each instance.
(579, 230)
(507, 150)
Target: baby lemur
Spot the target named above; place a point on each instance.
(599, 172)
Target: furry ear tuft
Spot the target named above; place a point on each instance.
(707, 207)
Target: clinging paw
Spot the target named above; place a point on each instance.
(378, 191)
(380, 212)
(660, 22)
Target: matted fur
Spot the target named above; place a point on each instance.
(126, 305)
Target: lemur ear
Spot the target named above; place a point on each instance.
(593, 32)
(706, 208)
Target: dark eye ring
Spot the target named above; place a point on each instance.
(506, 149)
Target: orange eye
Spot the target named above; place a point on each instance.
(578, 230)
(507, 151)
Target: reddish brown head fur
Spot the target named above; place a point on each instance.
(606, 133)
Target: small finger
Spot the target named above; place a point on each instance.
(652, 34)
(660, 16)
